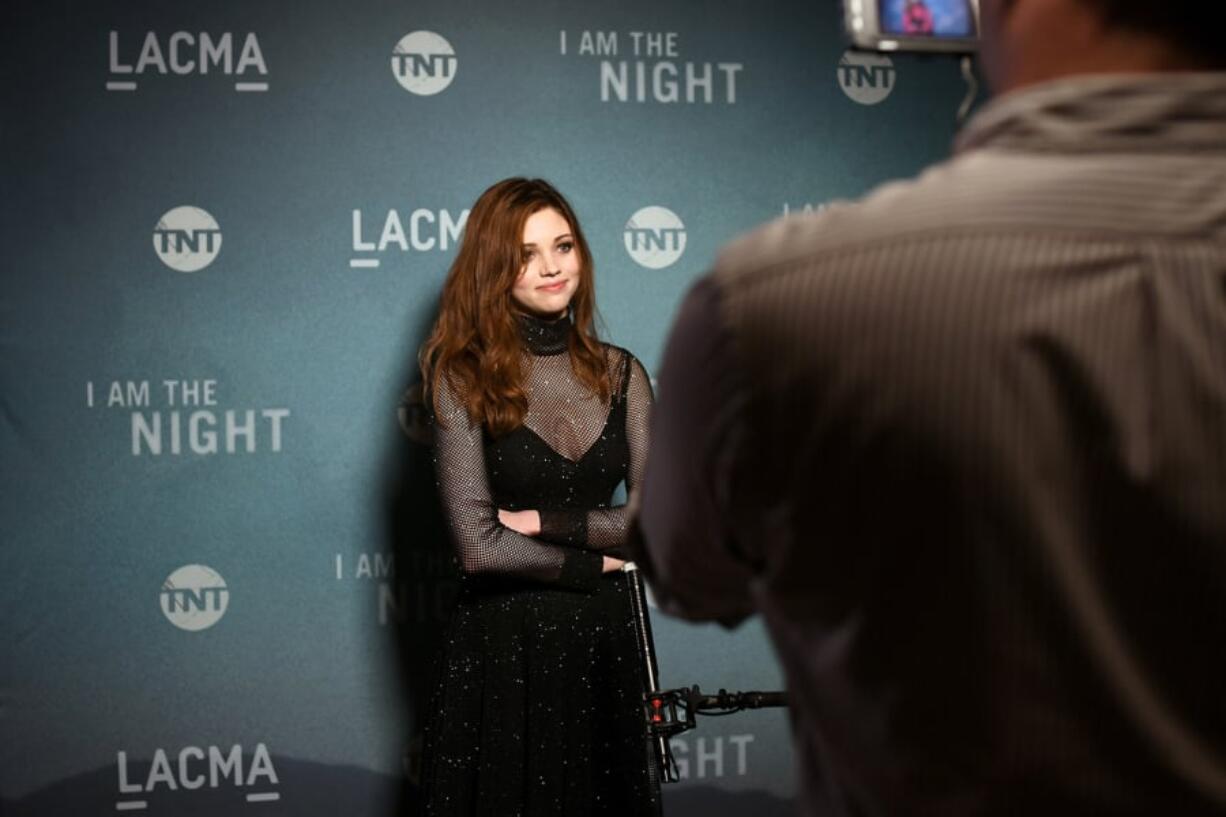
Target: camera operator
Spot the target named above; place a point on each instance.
(963, 443)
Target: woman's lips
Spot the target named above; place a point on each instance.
(553, 287)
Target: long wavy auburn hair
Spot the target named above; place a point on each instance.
(476, 342)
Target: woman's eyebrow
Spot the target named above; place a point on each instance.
(558, 238)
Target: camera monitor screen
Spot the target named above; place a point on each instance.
(914, 25)
(927, 18)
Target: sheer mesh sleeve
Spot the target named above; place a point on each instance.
(605, 530)
(483, 544)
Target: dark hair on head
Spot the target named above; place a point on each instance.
(1195, 26)
(476, 343)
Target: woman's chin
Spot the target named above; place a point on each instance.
(551, 309)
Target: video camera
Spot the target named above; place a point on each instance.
(951, 26)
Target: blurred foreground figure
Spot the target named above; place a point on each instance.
(963, 443)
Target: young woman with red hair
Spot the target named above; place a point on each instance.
(538, 710)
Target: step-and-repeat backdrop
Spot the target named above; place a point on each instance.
(223, 574)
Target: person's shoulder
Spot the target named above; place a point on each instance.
(618, 355)
(936, 202)
(612, 351)
(619, 359)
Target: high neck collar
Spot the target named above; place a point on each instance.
(544, 336)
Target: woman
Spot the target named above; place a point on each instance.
(538, 710)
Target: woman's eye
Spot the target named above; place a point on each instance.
(566, 246)
(528, 255)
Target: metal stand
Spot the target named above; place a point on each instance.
(673, 711)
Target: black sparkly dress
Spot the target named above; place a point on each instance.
(538, 707)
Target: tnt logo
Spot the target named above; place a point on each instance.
(866, 78)
(655, 237)
(424, 63)
(414, 415)
(187, 239)
(194, 597)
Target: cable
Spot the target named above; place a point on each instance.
(972, 87)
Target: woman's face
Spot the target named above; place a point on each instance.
(550, 272)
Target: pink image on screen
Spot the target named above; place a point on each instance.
(917, 18)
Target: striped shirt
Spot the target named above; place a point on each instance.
(963, 445)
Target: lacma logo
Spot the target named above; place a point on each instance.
(421, 230)
(866, 78)
(187, 239)
(186, 53)
(424, 63)
(197, 767)
(655, 237)
(194, 597)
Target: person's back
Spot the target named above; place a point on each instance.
(1001, 573)
(968, 452)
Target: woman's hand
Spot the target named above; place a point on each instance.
(611, 564)
(526, 522)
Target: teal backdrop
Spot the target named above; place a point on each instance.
(225, 228)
